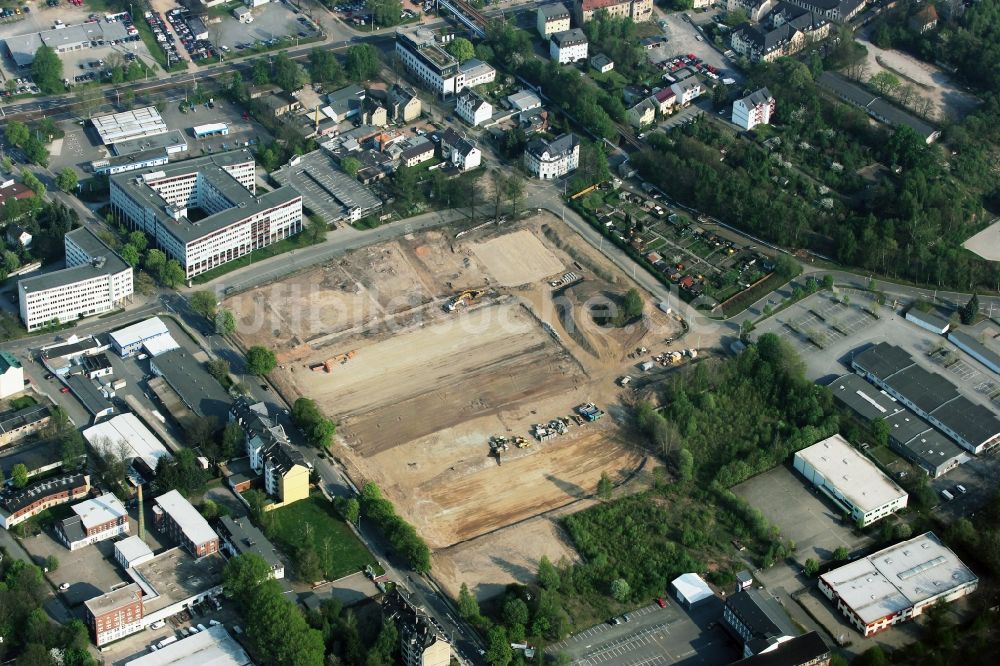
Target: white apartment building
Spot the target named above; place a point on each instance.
(568, 46)
(11, 375)
(472, 108)
(687, 90)
(754, 109)
(231, 221)
(95, 280)
(436, 69)
(551, 159)
(551, 19)
(472, 73)
(460, 151)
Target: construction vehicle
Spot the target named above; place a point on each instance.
(589, 411)
(463, 299)
(328, 364)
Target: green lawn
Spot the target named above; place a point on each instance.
(340, 551)
(286, 245)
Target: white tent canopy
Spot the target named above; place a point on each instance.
(690, 589)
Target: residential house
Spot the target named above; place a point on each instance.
(687, 90)
(664, 100)
(524, 100)
(785, 31)
(602, 63)
(18, 235)
(551, 159)
(421, 642)
(637, 10)
(472, 108)
(11, 191)
(754, 109)
(841, 11)
(94, 520)
(551, 19)
(280, 103)
(240, 536)
(416, 153)
(460, 151)
(642, 114)
(755, 10)
(924, 20)
(286, 474)
(374, 113)
(11, 375)
(404, 105)
(568, 46)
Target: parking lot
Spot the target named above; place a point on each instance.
(682, 37)
(654, 635)
(270, 23)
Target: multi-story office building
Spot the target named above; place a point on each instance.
(205, 212)
(437, 69)
(115, 615)
(175, 516)
(94, 520)
(95, 280)
(551, 159)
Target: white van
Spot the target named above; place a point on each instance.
(960, 488)
(947, 495)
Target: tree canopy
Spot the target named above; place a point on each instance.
(47, 71)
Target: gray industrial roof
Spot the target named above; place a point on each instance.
(116, 127)
(921, 443)
(928, 318)
(198, 389)
(983, 353)
(210, 167)
(165, 140)
(883, 359)
(326, 190)
(89, 394)
(245, 537)
(867, 400)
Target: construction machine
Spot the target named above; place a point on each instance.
(463, 299)
(328, 364)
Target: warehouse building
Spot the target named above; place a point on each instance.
(128, 125)
(196, 390)
(205, 212)
(173, 142)
(65, 38)
(930, 395)
(897, 583)
(212, 647)
(127, 437)
(928, 321)
(326, 190)
(95, 280)
(909, 435)
(850, 480)
(130, 339)
(690, 589)
(976, 350)
(805, 650)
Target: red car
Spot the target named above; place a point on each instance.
(64, 389)
(661, 602)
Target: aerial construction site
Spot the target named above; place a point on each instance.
(468, 379)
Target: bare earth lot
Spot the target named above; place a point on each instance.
(425, 388)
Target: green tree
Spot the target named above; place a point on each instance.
(243, 575)
(35, 654)
(880, 432)
(66, 180)
(325, 68)
(351, 166)
(498, 652)
(47, 71)
(969, 313)
(468, 607)
(873, 656)
(73, 450)
(203, 303)
(260, 361)
(515, 613)
(685, 465)
(462, 49)
(172, 274)
(130, 255)
(261, 73)
(156, 260)
(308, 566)
(233, 440)
(350, 509)
(17, 132)
(811, 567)
(548, 575)
(605, 486)
(19, 475)
(362, 62)
(884, 83)
(840, 554)
(52, 563)
(225, 322)
(385, 12)
(288, 74)
(620, 590)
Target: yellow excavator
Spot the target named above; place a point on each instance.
(462, 299)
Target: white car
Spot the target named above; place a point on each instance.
(64, 587)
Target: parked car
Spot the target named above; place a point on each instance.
(661, 602)
(64, 389)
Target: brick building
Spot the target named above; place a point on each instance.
(173, 515)
(18, 506)
(94, 520)
(114, 615)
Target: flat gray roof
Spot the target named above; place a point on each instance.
(326, 190)
(867, 400)
(165, 140)
(555, 10)
(116, 127)
(928, 318)
(93, 246)
(921, 443)
(245, 203)
(174, 576)
(198, 389)
(88, 393)
(983, 353)
(858, 479)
